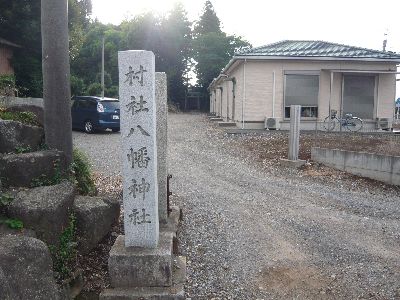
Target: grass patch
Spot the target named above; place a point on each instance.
(24, 117)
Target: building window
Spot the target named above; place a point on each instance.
(302, 90)
(359, 96)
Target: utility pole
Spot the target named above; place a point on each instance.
(56, 76)
(102, 70)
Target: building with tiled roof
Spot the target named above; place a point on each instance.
(262, 83)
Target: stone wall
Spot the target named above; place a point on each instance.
(16, 101)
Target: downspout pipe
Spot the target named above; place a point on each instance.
(273, 93)
(244, 91)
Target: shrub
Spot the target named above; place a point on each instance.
(81, 172)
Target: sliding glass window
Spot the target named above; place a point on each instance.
(302, 90)
(359, 95)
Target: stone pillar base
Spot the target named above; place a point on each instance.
(135, 267)
(141, 273)
(174, 292)
(292, 163)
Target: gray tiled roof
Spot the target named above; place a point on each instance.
(290, 48)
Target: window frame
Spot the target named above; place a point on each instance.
(303, 73)
(376, 83)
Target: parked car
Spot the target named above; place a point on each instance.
(90, 113)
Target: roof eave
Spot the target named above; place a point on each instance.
(318, 58)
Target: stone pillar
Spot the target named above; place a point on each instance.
(139, 149)
(148, 270)
(294, 133)
(56, 73)
(162, 144)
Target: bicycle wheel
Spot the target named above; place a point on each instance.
(329, 123)
(354, 124)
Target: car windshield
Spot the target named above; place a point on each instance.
(110, 105)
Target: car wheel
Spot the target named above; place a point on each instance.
(88, 126)
(115, 129)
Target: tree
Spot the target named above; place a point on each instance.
(212, 48)
(209, 22)
(20, 23)
(175, 52)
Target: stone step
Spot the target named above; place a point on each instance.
(216, 119)
(44, 209)
(226, 124)
(94, 219)
(17, 135)
(21, 170)
(175, 292)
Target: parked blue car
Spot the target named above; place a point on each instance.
(90, 113)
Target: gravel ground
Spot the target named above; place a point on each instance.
(254, 230)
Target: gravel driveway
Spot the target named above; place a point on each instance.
(269, 233)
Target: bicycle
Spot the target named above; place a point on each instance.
(349, 122)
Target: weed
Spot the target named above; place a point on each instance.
(21, 149)
(14, 223)
(5, 200)
(25, 117)
(80, 169)
(65, 254)
(44, 180)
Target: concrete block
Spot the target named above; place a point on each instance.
(172, 221)
(395, 179)
(226, 124)
(174, 292)
(292, 163)
(141, 267)
(216, 119)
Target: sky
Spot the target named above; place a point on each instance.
(351, 22)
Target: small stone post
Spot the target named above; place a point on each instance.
(139, 148)
(294, 133)
(162, 144)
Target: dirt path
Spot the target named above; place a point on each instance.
(251, 233)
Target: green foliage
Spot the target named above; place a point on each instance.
(5, 200)
(44, 180)
(20, 24)
(14, 224)
(112, 92)
(94, 89)
(21, 149)
(77, 86)
(24, 117)
(7, 85)
(64, 256)
(212, 48)
(208, 22)
(81, 172)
